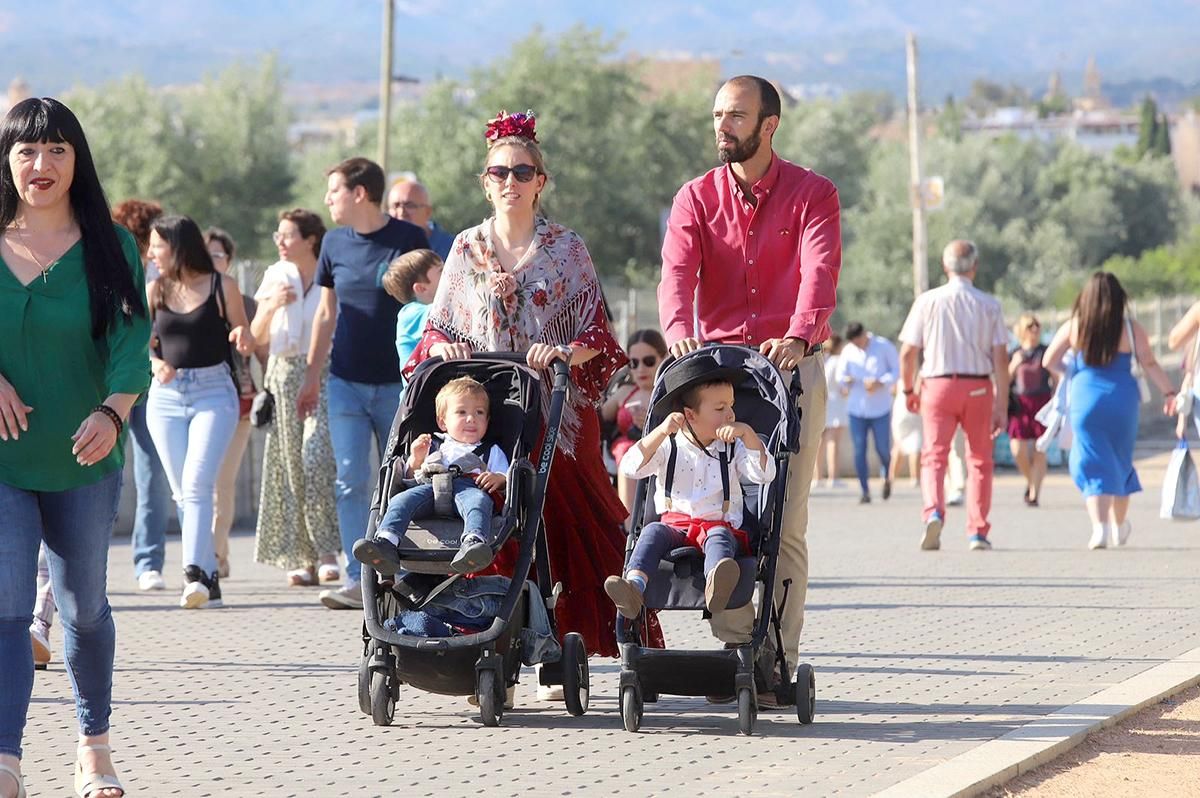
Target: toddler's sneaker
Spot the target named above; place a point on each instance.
(473, 555)
(720, 584)
(625, 595)
(381, 555)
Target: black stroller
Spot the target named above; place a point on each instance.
(486, 663)
(769, 405)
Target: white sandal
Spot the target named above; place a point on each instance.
(87, 784)
(328, 572)
(17, 777)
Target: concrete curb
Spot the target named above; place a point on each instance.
(1036, 743)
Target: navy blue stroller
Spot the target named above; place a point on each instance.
(766, 402)
(483, 664)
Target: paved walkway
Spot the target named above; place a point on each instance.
(919, 656)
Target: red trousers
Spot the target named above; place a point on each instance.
(946, 404)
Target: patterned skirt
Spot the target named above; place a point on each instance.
(297, 516)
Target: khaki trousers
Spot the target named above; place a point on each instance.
(735, 626)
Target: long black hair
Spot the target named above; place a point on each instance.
(110, 283)
(188, 249)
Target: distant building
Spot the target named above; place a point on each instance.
(1093, 98)
(1099, 131)
(18, 90)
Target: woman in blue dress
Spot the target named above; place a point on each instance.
(1103, 402)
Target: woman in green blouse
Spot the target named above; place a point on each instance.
(74, 360)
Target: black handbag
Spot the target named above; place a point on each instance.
(262, 409)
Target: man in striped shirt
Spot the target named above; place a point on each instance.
(959, 330)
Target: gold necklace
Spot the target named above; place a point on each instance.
(45, 269)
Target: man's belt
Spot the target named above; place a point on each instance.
(960, 377)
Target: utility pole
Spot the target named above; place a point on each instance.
(385, 84)
(917, 193)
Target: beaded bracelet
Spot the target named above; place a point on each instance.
(113, 416)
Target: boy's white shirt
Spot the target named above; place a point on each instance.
(497, 461)
(697, 491)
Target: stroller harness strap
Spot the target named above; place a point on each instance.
(669, 477)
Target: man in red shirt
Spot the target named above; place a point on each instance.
(751, 256)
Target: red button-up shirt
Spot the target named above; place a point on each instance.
(755, 272)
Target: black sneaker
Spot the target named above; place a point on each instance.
(381, 555)
(200, 590)
(887, 489)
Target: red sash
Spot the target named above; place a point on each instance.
(697, 530)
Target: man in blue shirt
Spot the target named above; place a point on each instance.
(409, 200)
(364, 371)
(869, 367)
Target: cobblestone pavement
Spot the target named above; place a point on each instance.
(919, 657)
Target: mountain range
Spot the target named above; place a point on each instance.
(848, 45)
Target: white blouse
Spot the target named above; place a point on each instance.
(697, 490)
(291, 326)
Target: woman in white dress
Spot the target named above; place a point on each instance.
(837, 416)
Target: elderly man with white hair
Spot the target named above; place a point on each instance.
(959, 330)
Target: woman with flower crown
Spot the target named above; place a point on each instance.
(521, 283)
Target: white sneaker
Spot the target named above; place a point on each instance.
(1099, 536)
(956, 500)
(41, 646)
(1119, 535)
(195, 596)
(346, 597)
(151, 580)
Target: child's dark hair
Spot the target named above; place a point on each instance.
(691, 397)
(649, 337)
(407, 270)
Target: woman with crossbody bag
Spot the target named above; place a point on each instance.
(192, 409)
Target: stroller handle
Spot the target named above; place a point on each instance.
(562, 371)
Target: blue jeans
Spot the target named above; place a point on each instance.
(76, 526)
(357, 411)
(192, 420)
(881, 429)
(149, 542)
(475, 508)
(658, 539)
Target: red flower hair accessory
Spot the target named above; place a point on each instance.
(506, 124)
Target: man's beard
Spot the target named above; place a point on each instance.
(741, 150)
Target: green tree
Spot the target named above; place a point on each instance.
(1147, 126)
(1162, 137)
(217, 152)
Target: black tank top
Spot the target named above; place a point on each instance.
(197, 339)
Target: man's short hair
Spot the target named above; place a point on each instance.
(406, 271)
(460, 386)
(960, 256)
(854, 329)
(770, 104)
(362, 172)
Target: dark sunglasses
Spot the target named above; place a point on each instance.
(522, 172)
(648, 361)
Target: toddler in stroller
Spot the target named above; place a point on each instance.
(462, 414)
(698, 492)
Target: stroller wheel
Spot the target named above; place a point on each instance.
(747, 712)
(576, 685)
(806, 693)
(364, 684)
(383, 702)
(631, 708)
(491, 705)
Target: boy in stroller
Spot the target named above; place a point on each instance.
(699, 503)
(462, 414)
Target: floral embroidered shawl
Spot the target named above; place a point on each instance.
(552, 296)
